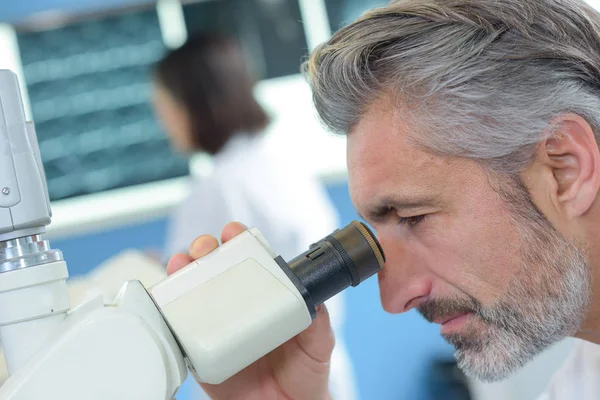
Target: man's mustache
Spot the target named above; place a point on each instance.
(436, 309)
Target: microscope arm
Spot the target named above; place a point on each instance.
(120, 351)
(24, 202)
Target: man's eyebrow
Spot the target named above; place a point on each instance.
(389, 204)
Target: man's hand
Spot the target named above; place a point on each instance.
(297, 370)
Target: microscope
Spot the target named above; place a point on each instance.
(214, 317)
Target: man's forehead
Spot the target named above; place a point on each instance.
(383, 159)
(384, 130)
(382, 139)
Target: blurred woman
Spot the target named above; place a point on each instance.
(203, 96)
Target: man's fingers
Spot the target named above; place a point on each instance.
(231, 230)
(177, 262)
(199, 248)
(202, 246)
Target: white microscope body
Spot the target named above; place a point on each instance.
(215, 316)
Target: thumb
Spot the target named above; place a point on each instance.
(318, 340)
(306, 358)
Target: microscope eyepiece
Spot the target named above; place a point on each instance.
(362, 253)
(344, 258)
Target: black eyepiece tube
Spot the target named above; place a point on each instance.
(345, 258)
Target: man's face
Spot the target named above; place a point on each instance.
(469, 251)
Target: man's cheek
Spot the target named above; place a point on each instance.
(472, 265)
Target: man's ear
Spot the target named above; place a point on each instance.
(572, 161)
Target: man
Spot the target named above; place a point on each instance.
(472, 150)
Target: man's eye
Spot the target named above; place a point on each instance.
(411, 221)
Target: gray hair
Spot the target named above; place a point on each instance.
(482, 79)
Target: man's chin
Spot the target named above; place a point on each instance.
(483, 370)
(493, 361)
(488, 360)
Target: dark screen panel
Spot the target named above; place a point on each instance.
(88, 84)
(343, 12)
(271, 31)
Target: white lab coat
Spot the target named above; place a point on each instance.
(579, 377)
(251, 183)
(568, 370)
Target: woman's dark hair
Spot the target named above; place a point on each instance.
(208, 75)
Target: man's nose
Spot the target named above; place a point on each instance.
(403, 285)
